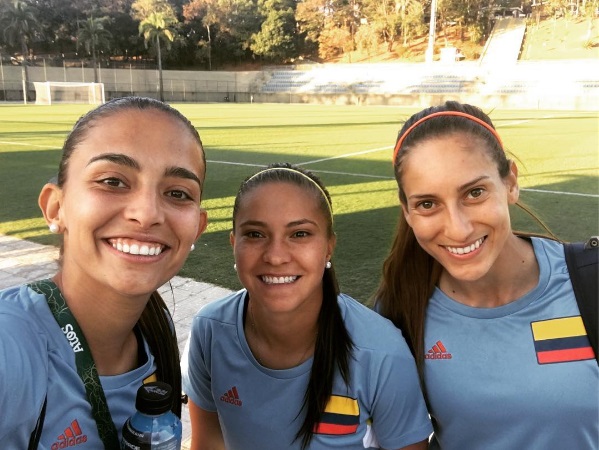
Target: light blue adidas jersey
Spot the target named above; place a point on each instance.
(259, 408)
(519, 376)
(35, 360)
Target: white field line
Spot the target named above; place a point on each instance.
(374, 150)
(383, 177)
(26, 145)
(347, 155)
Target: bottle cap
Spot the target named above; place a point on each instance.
(154, 398)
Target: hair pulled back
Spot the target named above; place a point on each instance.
(409, 273)
(333, 342)
(156, 323)
(108, 109)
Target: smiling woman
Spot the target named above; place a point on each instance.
(127, 204)
(290, 362)
(487, 310)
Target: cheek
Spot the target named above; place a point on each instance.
(424, 228)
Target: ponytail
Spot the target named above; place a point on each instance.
(332, 351)
(156, 325)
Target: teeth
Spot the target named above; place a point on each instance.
(465, 250)
(137, 249)
(278, 280)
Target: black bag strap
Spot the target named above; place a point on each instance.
(37, 432)
(582, 260)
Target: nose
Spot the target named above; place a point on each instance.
(145, 208)
(458, 225)
(276, 251)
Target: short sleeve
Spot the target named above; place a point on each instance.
(399, 413)
(195, 366)
(23, 374)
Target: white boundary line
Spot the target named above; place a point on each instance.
(363, 152)
(27, 145)
(382, 177)
(360, 175)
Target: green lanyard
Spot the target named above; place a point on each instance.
(86, 368)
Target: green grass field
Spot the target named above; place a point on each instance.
(349, 147)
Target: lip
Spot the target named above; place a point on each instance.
(465, 250)
(279, 280)
(145, 246)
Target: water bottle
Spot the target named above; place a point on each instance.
(153, 426)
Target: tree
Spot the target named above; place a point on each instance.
(157, 27)
(94, 36)
(142, 9)
(230, 26)
(207, 10)
(275, 40)
(20, 26)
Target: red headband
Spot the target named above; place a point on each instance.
(444, 113)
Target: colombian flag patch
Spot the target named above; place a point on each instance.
(341, 416)
(561, 340)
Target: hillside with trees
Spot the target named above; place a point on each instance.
(242, 34)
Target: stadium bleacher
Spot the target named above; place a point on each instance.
(498, 73)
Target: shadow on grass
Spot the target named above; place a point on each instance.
(363, 236)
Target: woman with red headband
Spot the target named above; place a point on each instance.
(489, 313)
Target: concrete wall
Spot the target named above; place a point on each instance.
(544, 85)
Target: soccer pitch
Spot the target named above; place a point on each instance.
(349, 147)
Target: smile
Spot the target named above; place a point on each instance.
(465, 250)
(136, 248)
(278, 280)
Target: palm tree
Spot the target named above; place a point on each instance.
(20, 25)
(156, 27)
(94, 36)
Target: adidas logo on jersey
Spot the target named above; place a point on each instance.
(71, 437)
(438, 352)
(231, 396)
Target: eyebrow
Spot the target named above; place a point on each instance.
(181, 172)
(124, 160)
(470, 183)
(295, 223)
(460, 188)
(117, 158)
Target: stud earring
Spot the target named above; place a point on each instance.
(328, 265)
(54, 228)
(193, 247)
(235, 267)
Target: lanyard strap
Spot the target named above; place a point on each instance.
(86, 368)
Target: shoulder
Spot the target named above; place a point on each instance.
(26, 320)
(23, 305)
(550, 254)
(551, 248)
(368, 329)
(25, 350)
(224, 310)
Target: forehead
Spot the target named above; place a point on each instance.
(144, 134)
(456, 156)
(150, 120)
(280, 197)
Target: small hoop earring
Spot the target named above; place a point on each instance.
(235, 267)
(193, 247)
(54, 228)
(328, 265)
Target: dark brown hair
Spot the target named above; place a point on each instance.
(333, 342)
(156, 323)
(410, 274)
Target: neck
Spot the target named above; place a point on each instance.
(107, 323)
(515, 273)
(283, 343)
